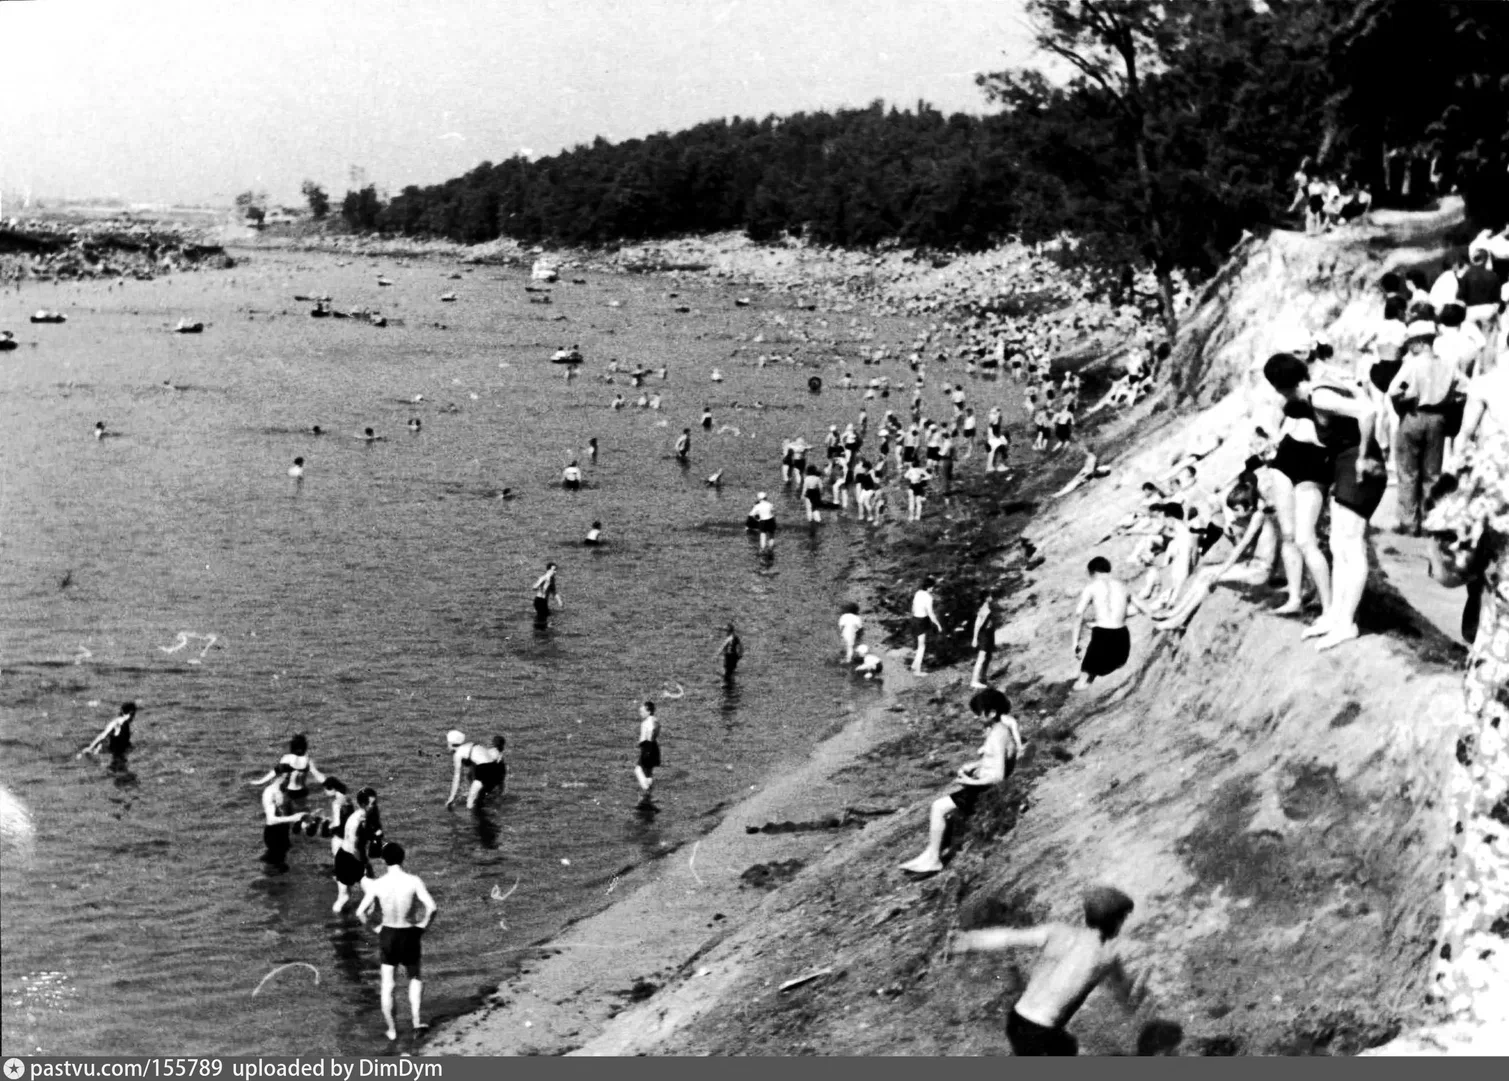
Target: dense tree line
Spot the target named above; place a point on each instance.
(1181, 127)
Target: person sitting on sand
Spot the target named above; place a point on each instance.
(571, 477)
(867, 663)
(1110, 643)
(997, 758)
(594, 535)
(618, 401)
(489, 771)
(1074, 960)
(1091, 470)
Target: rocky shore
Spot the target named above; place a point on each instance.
(75, 249)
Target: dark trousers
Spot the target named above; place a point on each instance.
(1420, 443)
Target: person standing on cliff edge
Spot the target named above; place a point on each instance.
(1074, 960)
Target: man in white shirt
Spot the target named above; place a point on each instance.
(1447, 288)
(1459, 342)
(1421, 389)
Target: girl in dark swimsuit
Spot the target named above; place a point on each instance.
(1344, 421)
(1301, 475)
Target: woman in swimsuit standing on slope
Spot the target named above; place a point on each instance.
(1344, 422)
(1301, 474)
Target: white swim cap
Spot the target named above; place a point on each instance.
(455, 737)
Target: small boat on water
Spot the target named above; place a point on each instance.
(8, 341)
(383, 281)
(543, 271)
(566, 356)
(185, 327)
(42, 315)
(449, 298)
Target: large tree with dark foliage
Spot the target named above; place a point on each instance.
(1178, 128)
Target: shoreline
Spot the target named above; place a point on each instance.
(580, 991)
(582, 978)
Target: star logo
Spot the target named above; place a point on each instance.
(14, 1068)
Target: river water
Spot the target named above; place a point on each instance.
(383, 603)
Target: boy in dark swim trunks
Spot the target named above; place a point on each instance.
(1110, 644)
(1074, 961)
(398, 939)
(276, 834)
(649, 749)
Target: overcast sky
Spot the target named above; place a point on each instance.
(195, 100)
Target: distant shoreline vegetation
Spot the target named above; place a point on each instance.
(1183, 128)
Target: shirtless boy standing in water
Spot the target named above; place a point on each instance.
(1074, 960)
(1110, 644)
(398, 939)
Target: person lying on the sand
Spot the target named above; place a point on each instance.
(1088, 472)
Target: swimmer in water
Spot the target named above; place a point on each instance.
(116, 738)
(371, 437)
(279, 814)
(99, 430)
(296, 471)
(732, 651)
(489, 771)
(414, 424)
(762, 518)
(316, 430)
(592, 449)
(716, 480)
(506, 493)
(707, 419)
(545, 590)
(348, 846)
(571, 477)
(618, 401)
(649, 750)
(398, 939)
(594, 535)
(717, 376)
(297, 759)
